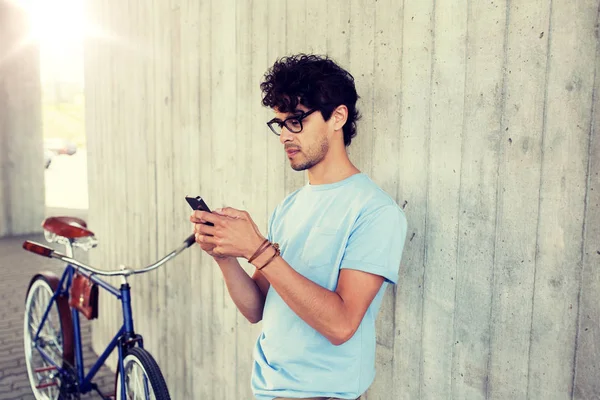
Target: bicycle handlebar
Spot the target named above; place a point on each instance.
(49, 252)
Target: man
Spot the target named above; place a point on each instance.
(332, 246)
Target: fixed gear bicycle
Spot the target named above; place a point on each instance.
(52, 334)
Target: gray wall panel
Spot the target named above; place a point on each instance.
(480, 126)
(21, 149)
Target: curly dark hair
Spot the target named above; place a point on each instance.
(315, 82)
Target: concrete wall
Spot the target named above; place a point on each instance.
(21, 153)
(480, 118)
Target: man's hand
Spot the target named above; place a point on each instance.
(207, 247)
(234, 233)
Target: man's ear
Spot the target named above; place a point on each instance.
(339, 116)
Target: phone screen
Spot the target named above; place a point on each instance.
(198, 204)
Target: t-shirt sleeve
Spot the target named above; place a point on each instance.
(270, 225)
(376, 243)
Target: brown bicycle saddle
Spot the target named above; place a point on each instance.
(69, 227)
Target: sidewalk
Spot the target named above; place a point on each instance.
(16, 269)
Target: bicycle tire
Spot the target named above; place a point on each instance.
(149, 367)
(58, 327)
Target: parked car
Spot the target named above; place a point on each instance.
(60, 146)
(48, 154)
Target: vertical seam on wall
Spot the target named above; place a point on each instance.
(268, 147)
(236, 143)
(8, 164)
(237, 53)
(585, 209)
(240, 51)
(211, 288)
(501, 152)
(401, 97)
(401, 101)
(348, 36)
(544, 119)
(172, 107)
(282, 159)
(156, 196)
(199, 123)
(327, 39)
(3, 145)
(462, 152)
(375, 54)
(425, 233)
(305, 21)
(266, 141)
(374, 65)
(286, 171)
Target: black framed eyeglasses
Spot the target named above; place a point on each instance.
(293, 123)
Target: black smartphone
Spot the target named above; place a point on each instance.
(198, 204)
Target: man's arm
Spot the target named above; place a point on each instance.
(335, 315)
(248, 293)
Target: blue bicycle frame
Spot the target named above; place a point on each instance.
(124, 338)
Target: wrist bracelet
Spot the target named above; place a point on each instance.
(260, 250)
(277, 253)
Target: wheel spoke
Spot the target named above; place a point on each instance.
(135, 382)
(43, 375)
(130, 382)
(39, 312)
(33, 319)
(38, 304)
(49, 324)
(139, 390)
(33, 330)
(146, 389)
(138, 386)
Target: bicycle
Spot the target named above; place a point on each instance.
(52, 333)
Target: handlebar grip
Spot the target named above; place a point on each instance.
(38, 249)
(190, 240)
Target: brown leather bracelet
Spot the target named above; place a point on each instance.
(277, 253)
(260, 250)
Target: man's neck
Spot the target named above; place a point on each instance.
(332, 169)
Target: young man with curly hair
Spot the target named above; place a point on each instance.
(332, 246)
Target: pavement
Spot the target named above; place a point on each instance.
(16, 269)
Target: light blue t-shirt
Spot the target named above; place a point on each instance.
(322, 229)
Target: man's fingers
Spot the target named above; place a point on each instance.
(233, 213)
(196, 218)
(200, 239)
(217, 215)
(205, 239)
(204, 216)
(204, 229)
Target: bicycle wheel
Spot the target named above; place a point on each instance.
(143, 379)
(55, 338)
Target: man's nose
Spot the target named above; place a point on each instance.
(285, 135)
